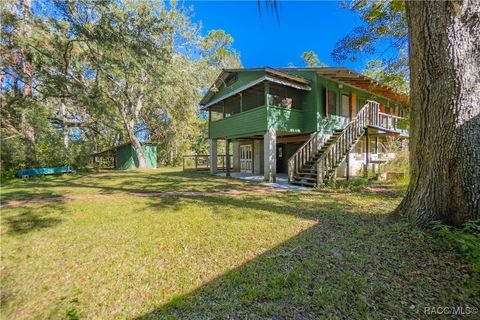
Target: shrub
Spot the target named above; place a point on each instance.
(355, 183)
(466, 240)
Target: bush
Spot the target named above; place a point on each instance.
(355, 183)
(466, 240)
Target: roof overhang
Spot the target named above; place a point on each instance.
(360, 81)
(269, 78)
(271, 74)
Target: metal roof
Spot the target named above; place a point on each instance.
(338, 74)
(111, 151)
(303, 83)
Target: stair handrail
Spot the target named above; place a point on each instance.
(303, 153)
(368, 115)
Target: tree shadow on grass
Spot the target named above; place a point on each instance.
(353, 263)
(25, 219)
(130, 181)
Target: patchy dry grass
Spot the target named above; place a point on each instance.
(112, 181)
(278, 255)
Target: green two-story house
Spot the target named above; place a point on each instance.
(304, 122)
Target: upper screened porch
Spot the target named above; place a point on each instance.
(272, 101)
(247, 102)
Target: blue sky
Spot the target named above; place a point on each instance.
(262, 41)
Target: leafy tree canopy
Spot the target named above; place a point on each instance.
(103, 73)
(311, 59)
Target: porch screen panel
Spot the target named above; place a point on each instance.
(252, 99)
(284, 97)
(232, 105)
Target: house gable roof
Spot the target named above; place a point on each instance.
(270, 74)
(338, 74)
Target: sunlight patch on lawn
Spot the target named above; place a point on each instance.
(128, 255)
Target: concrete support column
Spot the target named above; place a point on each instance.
(213, 156)
(236, 156)
(227, 157)
(270, 155)
(258, 157)
(367, 153)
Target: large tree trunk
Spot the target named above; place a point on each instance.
(445, 112)
(137, 146)
(29, 135)
(66, 129)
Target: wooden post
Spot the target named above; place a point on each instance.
(241, 102)
(353, 105)
(266, 92)
(227, 157)
(196, 162)
(183, 164)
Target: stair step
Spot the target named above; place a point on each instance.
(308, 171)
(300, 176)
(297, 178)
(303, 184)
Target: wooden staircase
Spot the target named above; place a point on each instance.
(316, 161)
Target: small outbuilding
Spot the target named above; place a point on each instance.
(124, 157)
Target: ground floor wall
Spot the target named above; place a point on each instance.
(248, 155)
(378, 153)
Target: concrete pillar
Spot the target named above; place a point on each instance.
(236, 156)
(258, 157)
(270, 155)
(213, 156)
(367, 156)
(227, 157)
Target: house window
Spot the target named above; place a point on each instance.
(331, 102)
(231, 79)
(345, 106)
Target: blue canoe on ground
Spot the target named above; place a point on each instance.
(42, 171)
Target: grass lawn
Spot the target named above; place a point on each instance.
(111, 181)
(270, 255)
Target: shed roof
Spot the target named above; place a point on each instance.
(110, 152)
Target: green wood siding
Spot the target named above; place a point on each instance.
(241, 124)
(282, 119)
(311, 100)
(312, 116)
(126, 157)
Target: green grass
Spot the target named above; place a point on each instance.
(277, 255)
(105, 182)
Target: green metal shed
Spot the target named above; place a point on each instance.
(125, 158)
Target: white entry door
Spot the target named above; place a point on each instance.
(246, 158)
